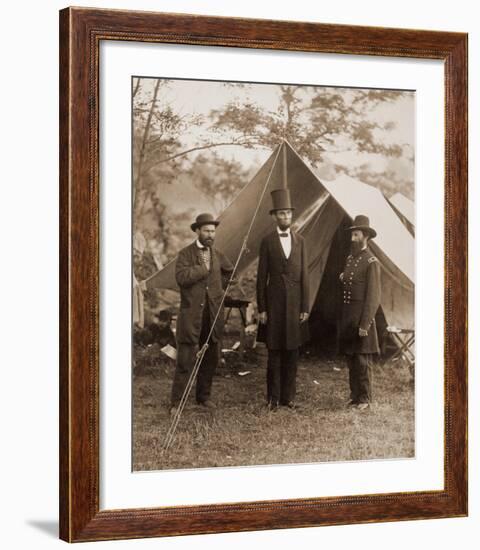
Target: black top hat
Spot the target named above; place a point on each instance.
(363, 223)
(204, 219)
(281, 200)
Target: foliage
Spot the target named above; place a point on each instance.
(396, 177)
(218, 178)
(316, 121)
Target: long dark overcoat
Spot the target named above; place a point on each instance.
(199, 288)
(282, 291)
(361, 300)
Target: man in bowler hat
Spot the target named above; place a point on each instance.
(202, 273)
(282, 298)
(360, 280)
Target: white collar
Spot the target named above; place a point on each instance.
(282, 231)
(200, 245)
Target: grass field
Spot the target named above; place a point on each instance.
(241, 431)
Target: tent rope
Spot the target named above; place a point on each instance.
(201, 353)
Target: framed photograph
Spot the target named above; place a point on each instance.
(263, 274)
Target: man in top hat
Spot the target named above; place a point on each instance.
(361, 299)
(282, 298)
(202, 273)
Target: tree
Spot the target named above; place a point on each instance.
(155, 134)
(396, 177)
(159, 157)
(218, 178)
(316, 121)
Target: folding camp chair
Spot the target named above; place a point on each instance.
(404, 340)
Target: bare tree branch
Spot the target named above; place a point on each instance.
(136, 88)
(145, 137)
(202, 147)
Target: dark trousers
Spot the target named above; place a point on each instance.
(359, 367)
(281, 376)
(186, 358)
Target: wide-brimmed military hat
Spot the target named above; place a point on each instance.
(281, 200)
(204, 219)
(363, 223)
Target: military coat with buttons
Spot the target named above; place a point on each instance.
(200, 287)
(361, 300)
(282, 291)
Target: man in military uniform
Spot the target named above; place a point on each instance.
(282, 298)
(202, 273)
(361, 299)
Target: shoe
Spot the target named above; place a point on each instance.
(363, 406)
(291, 405)
(352, 404)
(207, 404)
(272, 406)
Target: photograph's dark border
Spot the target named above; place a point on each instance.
(81, 31)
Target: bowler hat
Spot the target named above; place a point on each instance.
(204, 219)
(281, 200)
(363, 223)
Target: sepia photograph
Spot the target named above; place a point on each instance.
(273, 273)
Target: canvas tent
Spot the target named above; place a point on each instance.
(323, 211)
(405, 209)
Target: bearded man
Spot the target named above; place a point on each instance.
(361, 299)
(202, 273)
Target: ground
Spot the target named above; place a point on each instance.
(241, 431)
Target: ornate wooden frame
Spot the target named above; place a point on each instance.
(81, 31)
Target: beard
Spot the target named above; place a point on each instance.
(284, 225)
(356, 247)
(207, 241)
